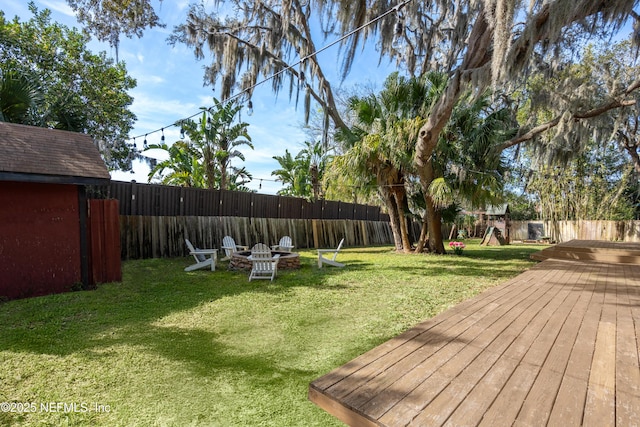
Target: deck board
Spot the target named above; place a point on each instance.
(557, 345)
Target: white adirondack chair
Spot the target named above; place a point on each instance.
(229, 246)
(284, 245)
(332, 260)
(200, 255)
(263, 264)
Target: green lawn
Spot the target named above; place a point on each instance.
(169, 348)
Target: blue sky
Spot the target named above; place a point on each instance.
(170, 88)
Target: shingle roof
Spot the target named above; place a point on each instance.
(28, 151)
(498, 209)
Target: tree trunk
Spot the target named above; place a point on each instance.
(224, 185)
(393, 218)
(209, 170)
(477, 55)
(424, 233)
(400, 196)
(436, 245)
(315, 182)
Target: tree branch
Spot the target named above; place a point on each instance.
(594, 112)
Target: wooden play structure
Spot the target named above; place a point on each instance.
(493, 237)
(498, 223)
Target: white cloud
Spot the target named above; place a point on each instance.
(59, 6)
(152, 106)
(150, 79)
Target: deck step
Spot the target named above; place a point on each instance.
(571, 252)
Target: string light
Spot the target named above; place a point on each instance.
(396, 9)
(162, 138)
(301, 77)
(398, 30)
(250, 108)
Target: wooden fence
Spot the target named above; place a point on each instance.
(163, 236)
(104, 239)
(163, 200)
(563, 231)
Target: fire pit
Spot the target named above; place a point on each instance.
(287, 261)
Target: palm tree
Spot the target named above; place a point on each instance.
(228, 137)
(302, 174)
(183, 165)
(18, 97)
(238, 179)
(466, 166)
(381, 143)
(315, 156)
(215, 138)
(294, 175)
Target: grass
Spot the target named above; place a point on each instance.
(169, 348)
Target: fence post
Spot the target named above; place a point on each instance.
(134, 197)
(181, 201)
(314, 229)
(365, 236)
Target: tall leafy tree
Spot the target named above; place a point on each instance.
(109, 19)
(563, 92)
(491, 47)
(593, 185)
(465, 167)
(81, 91)
(476, 43)
(381, 143)
(317, 157)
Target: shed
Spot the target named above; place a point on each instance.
(45, 227)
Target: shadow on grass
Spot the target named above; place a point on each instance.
(155, 288)
(151, 289)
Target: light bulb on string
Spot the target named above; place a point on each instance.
(398, 29)
(260, 186)
(145, 140)
(398, 35)
(301, 76)
(162, 137)
(250, 108)
(399, 41)
(134, 143)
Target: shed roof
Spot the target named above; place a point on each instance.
(35, 154)
(498, 209)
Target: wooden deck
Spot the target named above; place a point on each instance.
(557, 345)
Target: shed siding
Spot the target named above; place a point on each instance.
(39, 239)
